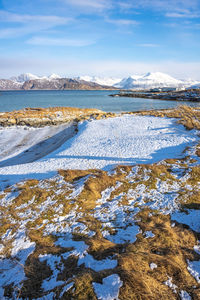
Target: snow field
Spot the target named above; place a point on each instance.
(98, 144)
(103, 144)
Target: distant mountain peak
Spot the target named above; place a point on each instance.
(28, 76)
(24, 77)
(148, 81)
(54, 76)
(108, 81)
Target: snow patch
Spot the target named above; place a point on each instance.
(184, 295)
(171, 285)
(109, 289)
(153, 266)
(97, 265)
(194, 269)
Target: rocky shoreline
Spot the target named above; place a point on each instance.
(185, 95)
(40, 117)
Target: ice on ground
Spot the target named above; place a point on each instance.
(194, 269)
(97, 265)
(118, 217)
(149, 234)
(171, 285)
(123, 235)
(12, 269)
(105, 143)
(109, 289)
(80, 248)
(190, 218)
(22, 247)
(28, 141)
(66, 288)
(197, 249)
(184, 295)
(153, 266)
(53, 261)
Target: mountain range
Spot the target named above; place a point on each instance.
(29, 81)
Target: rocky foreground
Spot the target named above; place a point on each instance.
(38, 117)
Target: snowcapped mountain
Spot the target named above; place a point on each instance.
(54, 76)
(24, 77)
(135, 82)
(6, 84)
(28, 76)
(145, 81)
(109, 81)
(149, 81)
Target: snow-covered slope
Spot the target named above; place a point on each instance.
(6, 84)
(149, 81)
(145, 81)
(109, 81)
(24, 77)
(105, 143)
(54, 76)
(28, 76)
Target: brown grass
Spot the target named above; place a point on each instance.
(169, 249)
(46, 116)
(188, 116)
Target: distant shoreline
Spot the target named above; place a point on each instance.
(185, 95)
(45, 90)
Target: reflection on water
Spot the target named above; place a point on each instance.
(11, 100)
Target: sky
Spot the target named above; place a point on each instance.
(100, 37)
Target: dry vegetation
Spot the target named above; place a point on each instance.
(38, 117)
(169, 249)
(94, 206)
(186, 115)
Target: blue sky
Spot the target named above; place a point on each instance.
(100, 37)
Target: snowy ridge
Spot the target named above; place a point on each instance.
(28, 76)
(145, 81)
(109, 81)
(148, 81)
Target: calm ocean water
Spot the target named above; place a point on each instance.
(14, 100)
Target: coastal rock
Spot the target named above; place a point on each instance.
(39, 117)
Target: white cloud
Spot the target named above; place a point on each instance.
(24, 18)
(122, 22)
(45, 41)
(149, 45)
(166, 6)
(90, 5)
(28, 24)
(182, 15)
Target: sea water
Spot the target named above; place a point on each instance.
(14, 100)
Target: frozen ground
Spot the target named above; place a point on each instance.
(64, 238)
(99, 144)
(22, 144)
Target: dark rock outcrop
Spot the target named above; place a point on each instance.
(62, 84)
